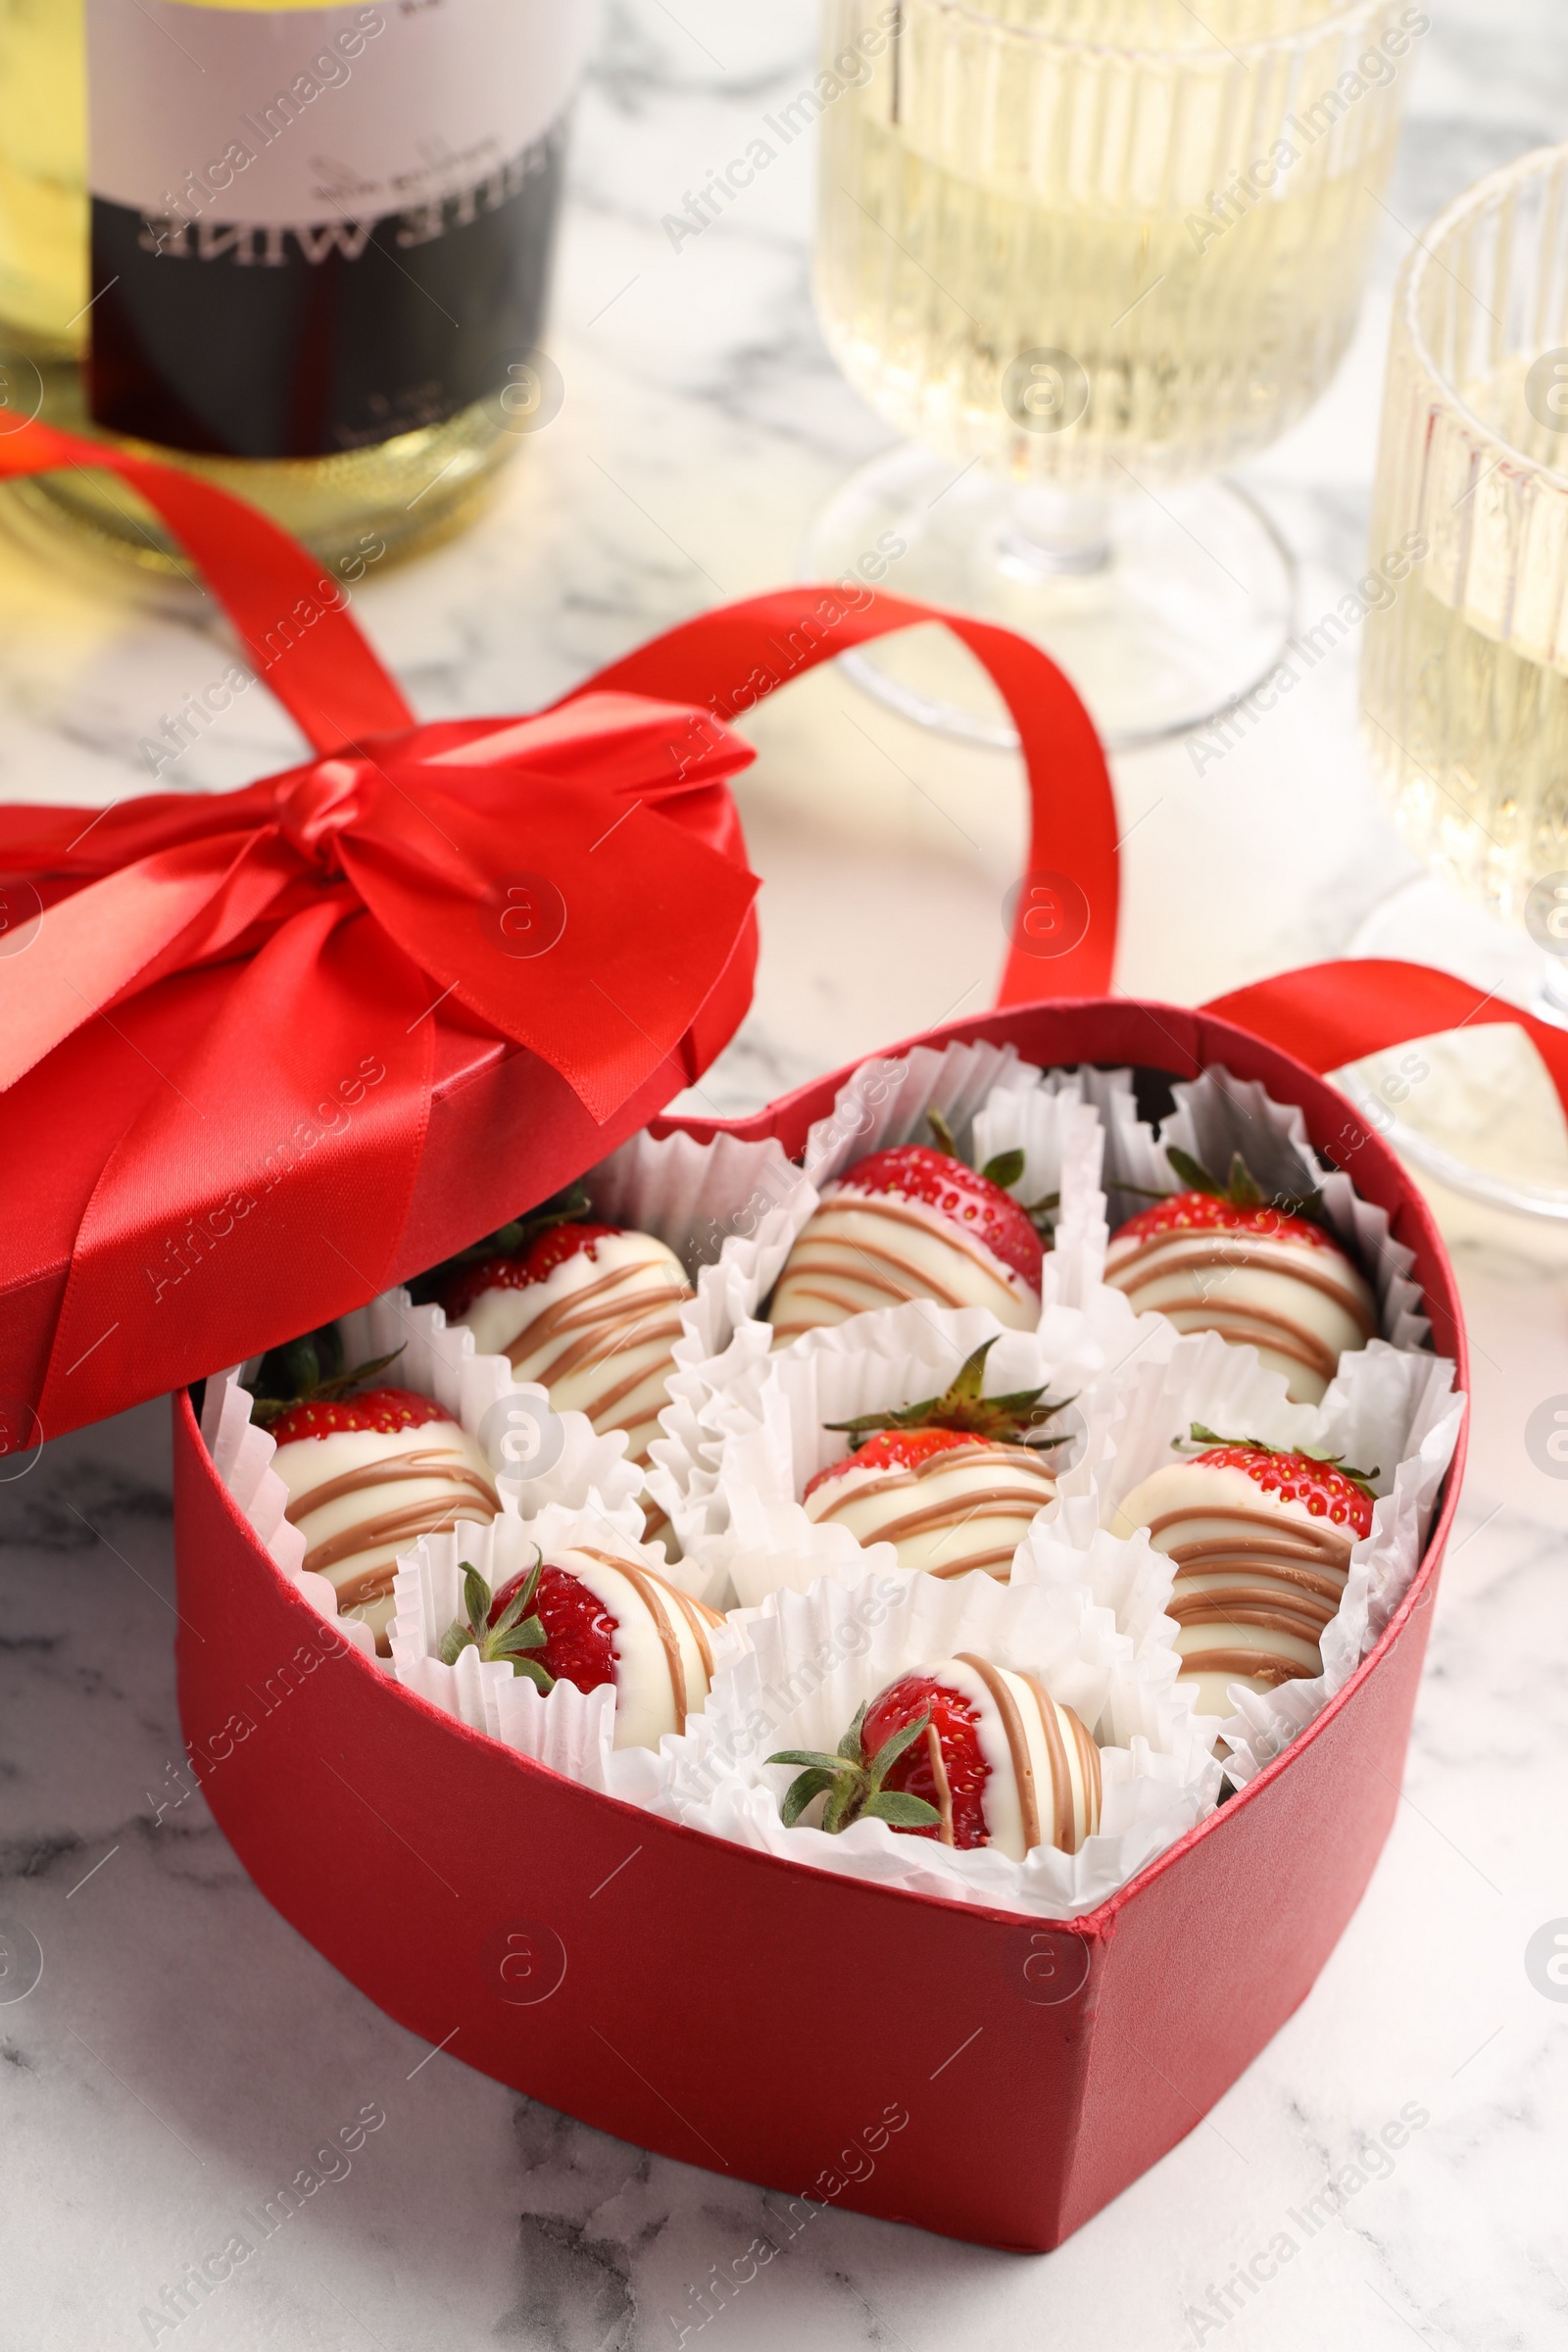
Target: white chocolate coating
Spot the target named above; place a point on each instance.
(1301, 1305)
(664, 1658)
(1259, 1578)
(859, 1252)
(598, 1333)
(433, 1476)
(968, 1507)
(1044, 1783)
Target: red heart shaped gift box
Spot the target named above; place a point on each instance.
(985, 2075)
(982, 2075)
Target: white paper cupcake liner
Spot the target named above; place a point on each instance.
(1381, 1571)
(569, 1730)
(732, 1212)
(1217, 1115)
(435, 1359)
(764, 1428)
(816, 1655)
(242, 1459)
(1390, 1409)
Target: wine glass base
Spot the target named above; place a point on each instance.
(1163, 612)
(1474, 1108)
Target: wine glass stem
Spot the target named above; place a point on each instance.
(1051, 534)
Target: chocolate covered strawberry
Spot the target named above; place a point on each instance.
(367, 1474)
(590, 1618)
(1261, 1537)
(965, 1754)
(589, 1311)
(953, 1483)
(914, 1222)
(1261, 1273)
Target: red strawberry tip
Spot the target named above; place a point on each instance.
(893, 1450)
(1324, 1482)
(384, 1410)
(536, 1263)
(960, 1195)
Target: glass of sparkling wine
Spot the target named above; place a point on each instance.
(1083, 254)
(1464, 682)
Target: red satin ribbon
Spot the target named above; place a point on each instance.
(343, 904)
(406, 869)
(1331, 1014)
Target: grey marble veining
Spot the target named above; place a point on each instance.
(183, 2052)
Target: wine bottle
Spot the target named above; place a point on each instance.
(305, 250)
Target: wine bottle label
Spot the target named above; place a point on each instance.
(314, 228)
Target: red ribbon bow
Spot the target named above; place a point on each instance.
(234, 1002)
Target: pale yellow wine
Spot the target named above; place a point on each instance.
(1470, 731)
(1189, 264)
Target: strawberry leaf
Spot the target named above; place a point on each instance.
(1005, 1169)
(799, 1794)
(811, 1757)
(454, 1642)
(535, 1673)
(851, 1746)
(962, 1408)
(853, 1789)
(569, 1207)
(903, 1811)
(292, 1376)
(1192, 1173)
(1041, 1214)
(529, 1635)
(476, 1597)
(511, 1614)
(891, 1750)
(1243, 1189)
(946, 1139)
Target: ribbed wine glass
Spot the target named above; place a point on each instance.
(1084, 253)
(1465, 679)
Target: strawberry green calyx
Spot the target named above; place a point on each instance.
(514, 1633)
(1008, 1420)
(310, 1371)
(1206, 1440)
(854, 1786)
(1004, 1171)
(570, 1207)
(1241, 1188)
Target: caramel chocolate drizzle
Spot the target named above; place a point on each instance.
(403, 1527)
(944, 1787)
(1268, 1255)
(648, 1586)
(910, 1282)
(1320, 1540)
(436, 1462)
(1250, 1604)
(1265, 1666)
(1089, 1771)
(594, 1326)
(988, 1502)
(1062, 1810)
(1257, 1327)
(1023, 1771)
(1300, 1566)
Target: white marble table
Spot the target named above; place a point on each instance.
(184, 2050)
